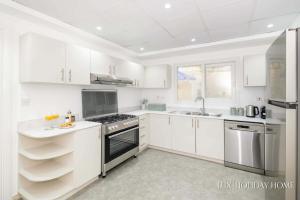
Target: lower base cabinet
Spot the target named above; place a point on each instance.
(143, 132)
(210, 138)
(193, 135)
(183, 134)
(87, 155)
(160, 130)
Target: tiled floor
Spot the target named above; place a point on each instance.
(159, 175)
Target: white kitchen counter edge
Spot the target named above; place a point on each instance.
(223, 117)
(42, 133)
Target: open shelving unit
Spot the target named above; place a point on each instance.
(47, 190)
(46, 151)
(45, 167)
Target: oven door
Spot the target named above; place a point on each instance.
(121, 142)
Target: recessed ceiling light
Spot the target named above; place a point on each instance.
(193, 40)
(99, 28)
(142, 49)
(270, 25)
(167, 6)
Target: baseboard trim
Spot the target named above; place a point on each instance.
(188, 154)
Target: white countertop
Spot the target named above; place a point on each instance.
(223, 117)
(43, 133)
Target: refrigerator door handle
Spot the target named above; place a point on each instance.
(281, 104)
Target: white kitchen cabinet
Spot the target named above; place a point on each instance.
(133, 71)
(100, 63)
(78, 60)
(87, 155)
(143, 132)
(255, 70)
(210, 138)
(42, 59)
(160, 130)
(46, 60)
(157, 76)
(183, 133)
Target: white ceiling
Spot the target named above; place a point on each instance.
(147, 23)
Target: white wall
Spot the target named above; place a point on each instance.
(296, 23)
(242, 95)
(38, 100)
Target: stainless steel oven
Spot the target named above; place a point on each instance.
(120, 132)
(119, 143)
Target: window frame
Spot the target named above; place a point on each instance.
(232, 62)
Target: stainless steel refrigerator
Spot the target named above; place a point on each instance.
(282, 95)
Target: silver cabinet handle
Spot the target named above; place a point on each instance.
(169, 120)
(70, 75)
(62, 71)
(197, 123)
(247, 80)
(192, 123)
(164, 83)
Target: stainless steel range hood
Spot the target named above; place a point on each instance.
(106, 79)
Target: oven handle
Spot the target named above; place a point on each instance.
(122, 132)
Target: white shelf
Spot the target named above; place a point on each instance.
(44, 152)
(46, 171)
(49, 190)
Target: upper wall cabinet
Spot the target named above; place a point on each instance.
(255, 70)
(78, 65)
(100, 63)
(42, 59)
(46, 60)
(157, 76)
(133, 71)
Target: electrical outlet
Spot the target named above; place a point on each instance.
(260, 99)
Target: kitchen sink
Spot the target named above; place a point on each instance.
(196, 113)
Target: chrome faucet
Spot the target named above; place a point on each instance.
(200, 98)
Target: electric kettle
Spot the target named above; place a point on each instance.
(252, 111)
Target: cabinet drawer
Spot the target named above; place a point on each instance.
(143, 131)
(143, 140)
(143, 121)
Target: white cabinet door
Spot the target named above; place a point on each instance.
(183, 130)
(78, 65)
(87, 155)
(159, 129)
(157, 76)
(133, 71)
(100, 63)
(255, 70)
(42, 59)
(210, 138)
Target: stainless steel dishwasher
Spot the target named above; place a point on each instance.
(245, 146)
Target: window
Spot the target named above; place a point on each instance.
(218, 80)
(189, 82)
(208, 81)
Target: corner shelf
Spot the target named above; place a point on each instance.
(46, 171)
(45, 191)
(44, 152)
